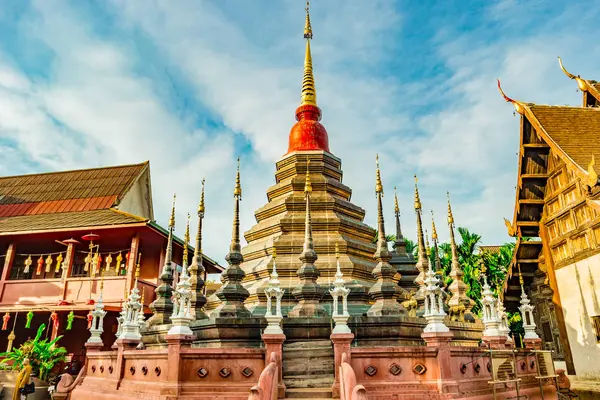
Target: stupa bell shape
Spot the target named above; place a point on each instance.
(280, 223)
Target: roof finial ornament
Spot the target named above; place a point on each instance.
(309, 93)
(237, 190)
(307, 182)
(434, 235)
(396, 206)
(378, 184)
(591, 179)
(172, 218)
(417, 198)
(580, 82)
(519, 107)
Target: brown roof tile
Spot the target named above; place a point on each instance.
(66, 220)
(66, 191)
(576, 130)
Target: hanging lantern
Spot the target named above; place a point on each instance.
(119, 260)
(88, 261)
(28, 263)
(59, 260)
(99, 263)
(11, 339)
(5, 320)
(54, 318)
(29, 318)
(70, 319)
(108, 262)
(48, 263)
(40, 264)
(90, 318)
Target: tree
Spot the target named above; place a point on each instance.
(42, 354)
(388, 238)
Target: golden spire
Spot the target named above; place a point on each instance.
(337, 251)
(309, 93)
(580, 82)
(427, 247)
(307, 183)
(417, 198)
(186, 240)
(378, 184)
(172, 218)
(396, 207)
(237, 190)
(434, 235)
(450, 217)
(201, 205)
(274, 253)
(519, 106)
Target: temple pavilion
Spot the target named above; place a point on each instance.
(556, 223)
(68, 235)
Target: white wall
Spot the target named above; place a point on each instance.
(137, 200)
(579, 289)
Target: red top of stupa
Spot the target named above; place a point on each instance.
(308, 133)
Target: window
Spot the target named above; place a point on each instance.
(596, 326)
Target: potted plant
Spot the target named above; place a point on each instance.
(43, 355)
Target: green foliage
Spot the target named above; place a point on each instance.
(411, 247)
(43, 354)
(388, 238)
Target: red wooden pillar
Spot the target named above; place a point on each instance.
(8, 262)
(133, 257)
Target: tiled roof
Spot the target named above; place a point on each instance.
(490, 249)
(576, 130)
(68, 191)
(66, 220)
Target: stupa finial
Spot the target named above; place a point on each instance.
(309, 93)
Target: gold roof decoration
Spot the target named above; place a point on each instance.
(434, 235)
(237, 190)
(172, 218)
(396, 206)
(186, 239)
(337, 251)
(309, 92)
(510, 228)
(592, 177)
(519, 106)
(450, 216)
(583, 86)
(417, 198)
(201, 208)
(378, 184)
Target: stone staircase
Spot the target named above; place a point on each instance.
(308, 369)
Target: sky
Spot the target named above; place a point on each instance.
(192, 85)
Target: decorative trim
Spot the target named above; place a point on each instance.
(395, 369)
(224, 372)
(202, 372)
(247, 372)
(419, 369)
(370, 370)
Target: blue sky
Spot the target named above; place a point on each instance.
(190, 85)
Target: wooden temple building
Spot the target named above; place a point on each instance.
(66, 234)
(556, 223)
(310, 307)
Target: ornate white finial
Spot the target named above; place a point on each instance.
(490, 319)
(526, 310)
(340, 291)
(182, 304)
(434, 304)
(97, 327)
(131, 326)
(503, 318)
(274, 291)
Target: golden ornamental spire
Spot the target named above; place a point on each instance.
(378, 184)
(307, 183)
(427, 247)
(201, 205)
(417, 198)
(172, 218)
(237, 190)
(450, 216)
(580, 82)
(186, 239)
(434, 235)
(337, 251)
(309, 93)
(396, 207)
(274, 253)
(591, 179)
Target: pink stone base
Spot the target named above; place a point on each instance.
(274, 344)
(495, 342)
(341, 345)
(533, 344)
(437, 339)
